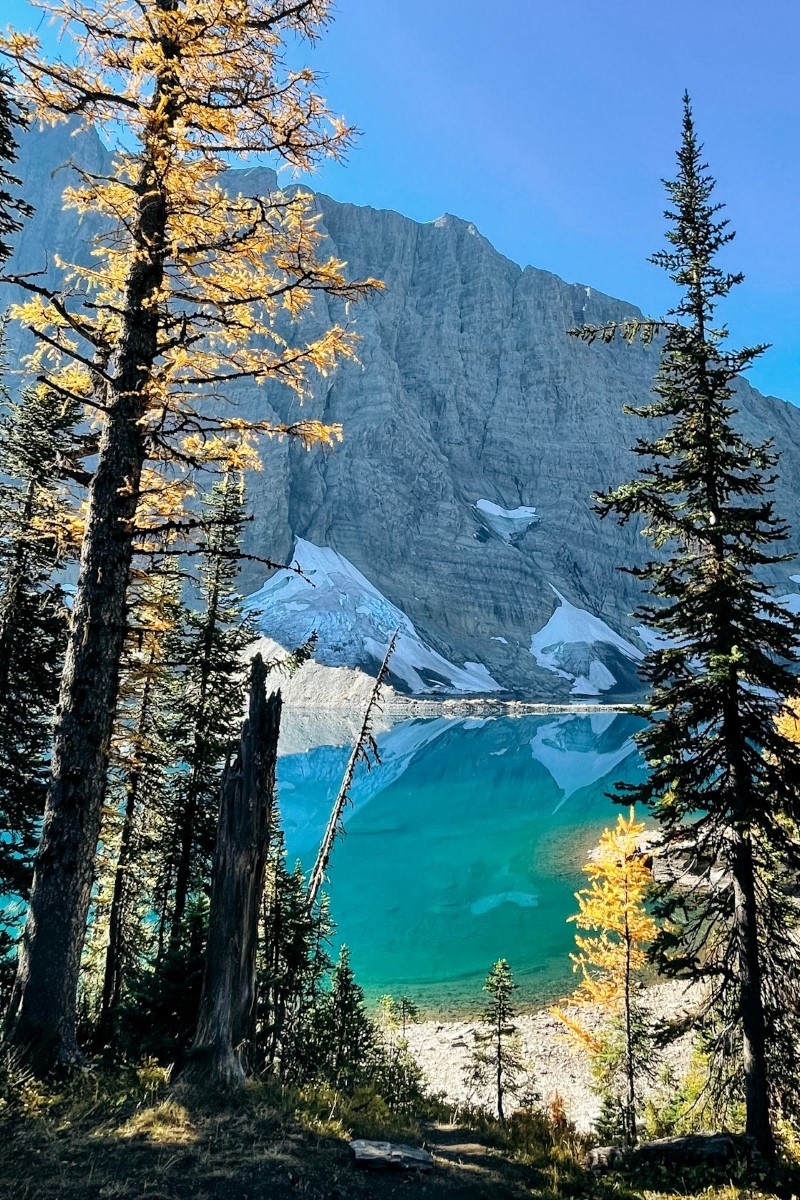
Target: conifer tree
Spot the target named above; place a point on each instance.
(181, 298)
(397, 1074)
(496, 1057)
(121, 932)
(40, 458)
(209, 702)
(611, 960)
(723, 777)
(144, 757)
(303, 1041)
(13, 209)
(348, 1035)
(287, 931)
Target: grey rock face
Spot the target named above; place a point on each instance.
(468, 389)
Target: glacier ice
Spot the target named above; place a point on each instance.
(570, 628)
(506, 522)
(354, 623)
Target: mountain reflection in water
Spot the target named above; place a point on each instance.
(465, 845)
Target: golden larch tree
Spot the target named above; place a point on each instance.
(612, 955)
(182, 299)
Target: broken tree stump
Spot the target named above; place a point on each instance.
(229, 980)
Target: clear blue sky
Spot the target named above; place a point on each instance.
(549, 124)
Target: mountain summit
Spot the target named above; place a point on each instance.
(459, 505)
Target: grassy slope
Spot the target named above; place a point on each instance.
(125, 1141)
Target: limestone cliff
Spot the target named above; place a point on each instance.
(470, 409)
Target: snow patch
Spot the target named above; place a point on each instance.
(600, 723)
(600, 680)
(500, 639)
(506, 522)
(567, 748)
(655, 640)
(570, 626)
(354, 623)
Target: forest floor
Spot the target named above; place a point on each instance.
(101, 1140)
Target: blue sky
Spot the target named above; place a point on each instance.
(550, 124)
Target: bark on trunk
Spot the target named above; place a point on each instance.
(499, 1079)
(229, 981)
(754, 1033)
(41, 1018)
(187, 831)
(749, 977)
(630, 1071)
(112, 974)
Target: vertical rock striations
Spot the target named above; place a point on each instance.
(471, 408)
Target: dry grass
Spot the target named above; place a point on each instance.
(131, 1137)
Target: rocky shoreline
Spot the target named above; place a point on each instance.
(487, 706)
(552, 1065)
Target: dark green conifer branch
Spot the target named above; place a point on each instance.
(724, 782)
(13, 209)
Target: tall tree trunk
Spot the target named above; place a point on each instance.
(229, 981)
(754, 1032)
(746, 940)
(112, 974)
(187, 831)
(500, 1112)
(41, 1018)
(630, 1068)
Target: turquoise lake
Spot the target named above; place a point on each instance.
(465, 845)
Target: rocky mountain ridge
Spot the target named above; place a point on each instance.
(475, 434)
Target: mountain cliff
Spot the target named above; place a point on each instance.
(458, 506)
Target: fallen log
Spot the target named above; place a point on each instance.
(689, 1150)
(391, 1155)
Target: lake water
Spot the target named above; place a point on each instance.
(464, 846)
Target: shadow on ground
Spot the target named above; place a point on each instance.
(173, 1151)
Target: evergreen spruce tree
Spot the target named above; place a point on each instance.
(398, 1076)
(495, 1058)
(348, 1035)
(209, 705)
(303, 1042)
(144, 751)
(724, 780)
(40, 459)
(287, 932)
(13, 209)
